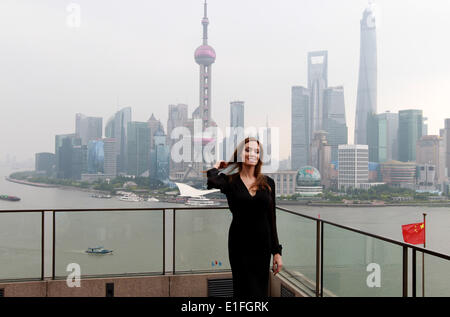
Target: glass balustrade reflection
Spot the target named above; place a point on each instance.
(85, 238)
(358, 265)
(298, 237)
(20, 245)
(201, 240)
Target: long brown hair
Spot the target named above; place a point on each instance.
(236, 164)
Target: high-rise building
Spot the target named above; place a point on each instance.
(382, 134)
(45, 162)
(159, 157)
(177, 117)
(64, 155)
(300, 127)
(334, 119)
(430, 150)
(88, 128)
(110, 161)
(95, 157)
(447, 147)
(116, 128)
(320, 156)
(205, 56)
(317, 83)
(138, 148)
(231, 141)
(410, 124)
(366, 102)
(353, 161)
(153, 125)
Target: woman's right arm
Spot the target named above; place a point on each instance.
(217, 180)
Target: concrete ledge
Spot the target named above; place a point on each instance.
(25, 289)
(185, 285)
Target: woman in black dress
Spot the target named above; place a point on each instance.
(252, 237)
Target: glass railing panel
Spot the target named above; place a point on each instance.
(20, 245)
(357, 265)
(298, 236)
(135, 238)
(201, 240)
(436, 277)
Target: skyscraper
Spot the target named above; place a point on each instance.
(382, 135)
(95, 157)
(236, 127)
(410, 125)
(320, 156)
(154, 125)
(317, 82)
(300, 127)
(366, 102)
(88, 128)
(110, 162)
(116, 128)
(138, 134)
(334, 119)
(205, 56)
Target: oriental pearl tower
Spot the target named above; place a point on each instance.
(205, 56)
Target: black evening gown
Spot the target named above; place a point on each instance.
(252, 237)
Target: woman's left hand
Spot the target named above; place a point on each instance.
(277, 264)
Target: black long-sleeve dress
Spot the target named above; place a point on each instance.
(252, 236)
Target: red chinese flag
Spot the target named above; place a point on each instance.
(414, 233)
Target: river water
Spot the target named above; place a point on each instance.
(136, 237)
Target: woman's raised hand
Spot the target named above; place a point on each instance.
(221, 164)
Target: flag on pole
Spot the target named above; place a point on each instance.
(414, 233)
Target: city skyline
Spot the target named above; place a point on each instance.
(105, 65)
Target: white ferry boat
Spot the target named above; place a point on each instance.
(131, 197)
(201, 201)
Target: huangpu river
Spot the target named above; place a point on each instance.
(136, 238)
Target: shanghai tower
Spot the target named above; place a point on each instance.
(366, 102)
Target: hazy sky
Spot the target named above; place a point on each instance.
(140, 54)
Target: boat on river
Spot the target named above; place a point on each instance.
(9, 198)
(98, 250)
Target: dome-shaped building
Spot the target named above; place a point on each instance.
(308, 182)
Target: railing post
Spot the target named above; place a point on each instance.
(164, 241)
(405, 271)
(42, 244)
(321, 258)
(53, 251)
(318, 258)
(173, 247)
(414, 281)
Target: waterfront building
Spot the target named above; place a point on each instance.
(88, 128)
(399, 174)
(334, 119)
(117, 128)
(353, 161)
(430, 150)
(45, 162)
(300, 127)
(320, 156)
(409, 132)
(95, 157)
(138, 148)
(308, 182)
